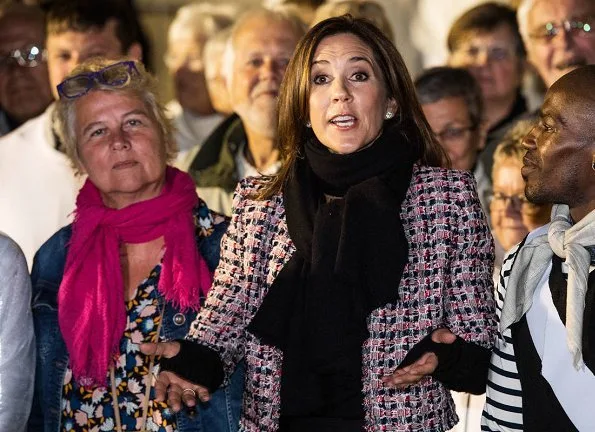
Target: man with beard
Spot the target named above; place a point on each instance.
(542, 370)
(260, 46)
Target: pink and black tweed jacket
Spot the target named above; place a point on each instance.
(447, 282)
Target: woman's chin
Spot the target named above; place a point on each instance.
(346, 147)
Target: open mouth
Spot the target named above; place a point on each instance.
(343, 121)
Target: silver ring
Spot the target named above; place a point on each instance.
(189, 390)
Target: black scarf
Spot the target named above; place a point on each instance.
(350, 257)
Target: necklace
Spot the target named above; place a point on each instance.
(112, 374)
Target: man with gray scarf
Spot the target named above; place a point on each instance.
(542, 374)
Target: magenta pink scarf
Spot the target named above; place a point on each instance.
(91, 303)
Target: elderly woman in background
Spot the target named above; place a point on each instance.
(132, 268)
(17, 341)
(356, 283)
(512, 215)
(193, 113)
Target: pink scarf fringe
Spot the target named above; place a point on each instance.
(91, 303)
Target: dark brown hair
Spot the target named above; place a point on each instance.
(295, 93)
(85, 15)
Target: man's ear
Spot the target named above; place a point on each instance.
(135, 52)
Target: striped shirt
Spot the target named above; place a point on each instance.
(503, 410)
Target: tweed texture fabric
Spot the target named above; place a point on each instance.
(447, 282)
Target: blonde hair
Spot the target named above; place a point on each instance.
(142, 85)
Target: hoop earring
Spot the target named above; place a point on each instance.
(308, 124)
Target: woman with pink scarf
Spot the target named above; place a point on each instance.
(134, 266)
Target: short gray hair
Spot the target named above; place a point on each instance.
(214, 50)
(442, 82)
(143, 86)
(295, 24)
(522, 16)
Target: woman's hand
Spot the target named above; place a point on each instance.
(169, 386)
(425, 365)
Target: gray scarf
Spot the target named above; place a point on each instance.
(569, 242)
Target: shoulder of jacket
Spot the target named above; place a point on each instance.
(430, 173)
(10, 251)
(436, 182)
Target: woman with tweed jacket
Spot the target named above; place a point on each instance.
(356, 284)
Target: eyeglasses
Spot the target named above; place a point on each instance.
(518, 202)
(495, 53)
(116, 75)
(579, 27)
(454, 133)
(29, 56)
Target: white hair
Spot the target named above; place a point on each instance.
(522, 16)
(227, 62)
(201, 19)
(293, 21)
(213, 53)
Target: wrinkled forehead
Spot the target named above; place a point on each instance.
(543, 11)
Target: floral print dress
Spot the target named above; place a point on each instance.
(91, 409)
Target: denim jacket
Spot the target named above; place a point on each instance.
(220, 414)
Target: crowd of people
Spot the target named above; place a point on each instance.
(307, 237)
